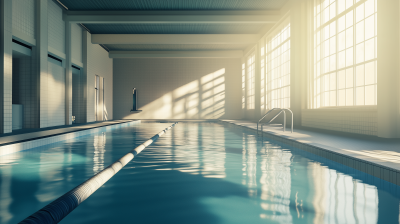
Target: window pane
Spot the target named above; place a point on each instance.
(370, 27)
(342, 98)
(349, 57)
(342, 41)
(360, 96)
(349, 78)
(333, 63)
(341, 6)
(349, 97)
(369, 8)
(332, 12)
(342, 79)
(332, 98)
(360, 32)
(360, 13)
(332, 28)
(349, 19)
(349, 37)
(342, 59)
(360, 75)
(360, 53)
(332, 48)
(332, 81)
(369, 49)
(349, 3)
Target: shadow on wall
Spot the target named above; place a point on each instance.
(203, 98)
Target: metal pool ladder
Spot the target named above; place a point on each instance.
(281, 110)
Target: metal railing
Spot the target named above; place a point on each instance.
(281, 110)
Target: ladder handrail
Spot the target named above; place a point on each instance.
(284, 118)
(265, 116)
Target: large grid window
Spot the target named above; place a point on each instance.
(345, 53)
(243, 86)
(278, 69)
(251, 82)
(262, 75)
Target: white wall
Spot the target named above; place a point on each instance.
(352, 120)
(178, 88)
(56, 98)
(98, 63)
(76, 51)
(23, 17)
(56, 29)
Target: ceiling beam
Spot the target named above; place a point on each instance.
(163, 17)
(176, 54)
(175, 38)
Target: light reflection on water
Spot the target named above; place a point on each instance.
(196, 173)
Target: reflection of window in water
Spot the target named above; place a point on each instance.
(275, 184)
(213, 156)
(249, 157)
(99, 150)
(339, 198)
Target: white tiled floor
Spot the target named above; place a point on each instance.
(385, 152)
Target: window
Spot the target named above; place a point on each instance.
(262, 75)
(278, 69)
(251, 82)
(344, 53)
(243, 85)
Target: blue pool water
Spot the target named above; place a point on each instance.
(195, 173)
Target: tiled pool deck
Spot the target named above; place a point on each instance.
(16, 142)
(375, 156)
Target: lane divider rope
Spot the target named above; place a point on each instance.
(61, 207)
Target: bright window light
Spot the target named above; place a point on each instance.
(345, 53)
(243, 86)
(251, 82)
(278, 69)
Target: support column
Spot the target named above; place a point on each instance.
(388, 68)
(298, 59)
(6, 66)
(85, 54)
(40, 57)
(68, 74)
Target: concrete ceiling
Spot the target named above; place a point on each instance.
(174, 25)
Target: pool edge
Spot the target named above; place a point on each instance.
(19, 146)
(377, 170)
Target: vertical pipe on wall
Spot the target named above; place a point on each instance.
(5, 66)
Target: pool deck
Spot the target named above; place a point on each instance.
(25, 139)
(32, 134)
(376, 156)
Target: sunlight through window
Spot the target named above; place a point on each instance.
(243, 85)
(251, 81)
(278, 69)
(345, 53)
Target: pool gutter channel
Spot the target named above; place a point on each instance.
(61, 207)
(374, 169)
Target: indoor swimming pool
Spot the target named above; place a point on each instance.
(195, 173)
